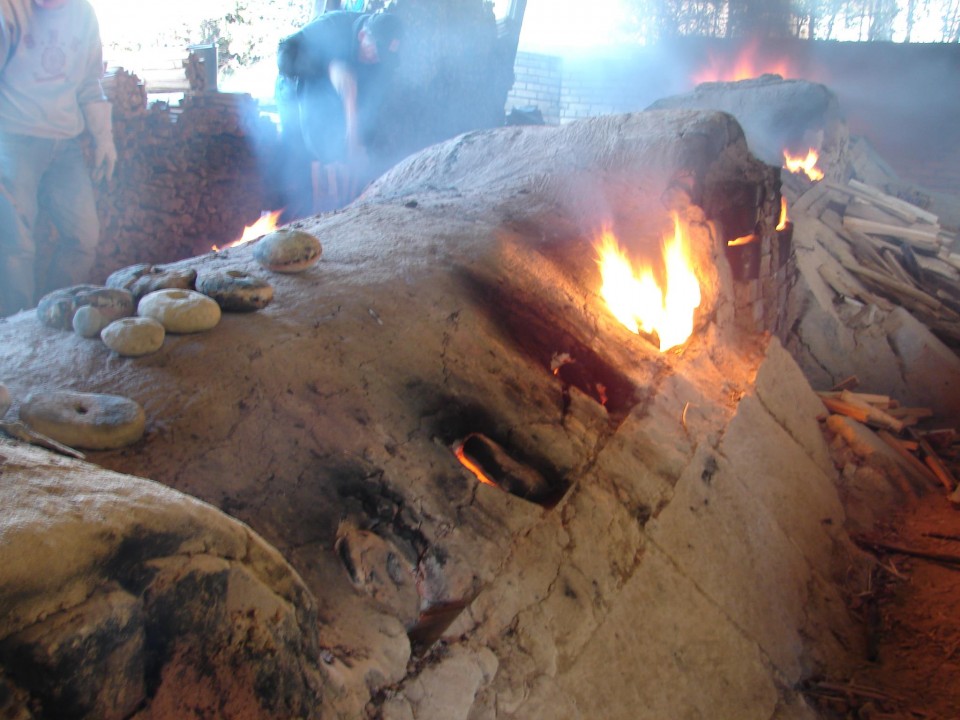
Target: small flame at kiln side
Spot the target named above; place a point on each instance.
(472, 466)
(266, 224)
(637, 300)
(783, 214)
(808, 164)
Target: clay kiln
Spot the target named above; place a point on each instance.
(678, 555)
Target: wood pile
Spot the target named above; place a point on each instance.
(926, 456)
(892, 252)
(188, 176)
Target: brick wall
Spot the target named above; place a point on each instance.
(537, 83)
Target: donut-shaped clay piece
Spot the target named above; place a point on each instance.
(287, 250)
(180, 311)
(235, 290)
(91, 421)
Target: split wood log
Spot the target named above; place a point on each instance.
(812, 201)
(900, 208)
(896, 287)
(896, 269)
(858, 208)
(934, 462)
(848, 383)
(945, 330)
(889, 201)
(880, 401)
(920, 238)
(825, 687)
(838, 406)
(863, 248)
(875, 415)
(917, 467)
(846, 286)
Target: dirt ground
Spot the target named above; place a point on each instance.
(911, 614)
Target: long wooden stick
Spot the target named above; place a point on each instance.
(947, 558)
(934, 462)
(918, 237)
(895, 286)
(882, 198)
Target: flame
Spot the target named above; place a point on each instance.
(743, 67)
(783, 213)
(267, 223)
(745, 240)
(635, 297)
(808, 164)
(472, 466)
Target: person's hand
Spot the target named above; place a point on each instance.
(99, 120)
(344, 82)
(104, 159)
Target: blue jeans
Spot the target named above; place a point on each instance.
(49, 175)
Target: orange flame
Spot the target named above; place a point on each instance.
(635, 297)
(745, 240)
(743, 67)
(783, 213)
(267, 223)
(472, 466)
(808, 164)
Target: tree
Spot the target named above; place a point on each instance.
(759, 18)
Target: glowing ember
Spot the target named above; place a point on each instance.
(783, 214)
(267, 223)
(635, 298)
(743, 67)
(808, 164)
(472, 466)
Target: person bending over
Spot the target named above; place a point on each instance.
(338, 67)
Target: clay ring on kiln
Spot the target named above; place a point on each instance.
(92, 421)
(180, 311)
(287, 251)
(235, 290)
(133, 336)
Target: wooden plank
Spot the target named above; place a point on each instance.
(923, 239)
(846, 286)
(890, 201)
(896, 287)
(853, 192)
(806, 201)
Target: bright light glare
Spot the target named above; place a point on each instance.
(562, 26)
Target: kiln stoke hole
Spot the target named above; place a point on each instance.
(492, 465)
(432, 623)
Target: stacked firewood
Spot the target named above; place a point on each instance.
(899, 253)
(188, 176)
(924, 455)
